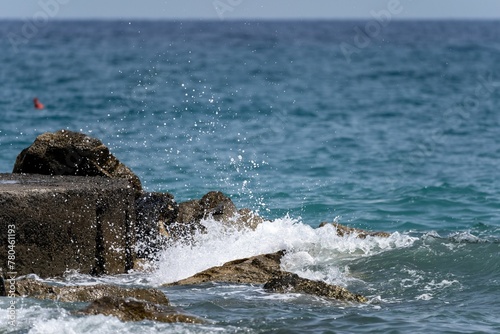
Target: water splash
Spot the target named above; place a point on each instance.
(313, 253)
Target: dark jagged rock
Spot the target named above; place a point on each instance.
(128, 309)
(190, 212)
(184, 232)
(362, 234)
(40, 290)
(61, 223)
(291, 283)
(71, 153)
(218, 206)
(154, 211)
(253, 270)
(215, 205)
(187, 223)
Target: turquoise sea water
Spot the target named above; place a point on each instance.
(400, 136)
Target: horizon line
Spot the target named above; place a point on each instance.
(214, 19)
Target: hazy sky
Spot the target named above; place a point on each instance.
(237, 9)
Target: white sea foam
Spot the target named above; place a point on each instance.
(34, 317)
(108, 324)
(465, 237)
(425, 296)
(432, 285)
(312, 253)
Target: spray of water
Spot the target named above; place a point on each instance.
(312, 253)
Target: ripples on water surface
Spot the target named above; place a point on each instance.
(402, 139)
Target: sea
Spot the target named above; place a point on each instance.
(379, 125)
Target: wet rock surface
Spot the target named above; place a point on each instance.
(265, 269)
(127, 304)
(213, 205)
(253, 270)
(190, 212)
(66, 222)
(362, 234)
(154, 212)
(246, 218)
(129, 309)
(187, 223)
(287, 282)
(72, 153)
(40, 290)
(218, 206)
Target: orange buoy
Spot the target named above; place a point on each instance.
(38, 104)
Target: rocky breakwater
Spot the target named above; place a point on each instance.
(69, 204)
(51, 224)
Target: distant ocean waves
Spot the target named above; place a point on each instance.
(403, 139)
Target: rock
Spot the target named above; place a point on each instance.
(61, 223)
(127, 304)
(218, 206)
(190, 212)
(154, 212)
(71, 153)
(291, 283)
(40, 290)
(213, 204)
(362, 234)
(254, 270)
(265, 269)
(246, 218)
(128, 309)
(184, 232)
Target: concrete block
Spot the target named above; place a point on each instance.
(51, 224)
